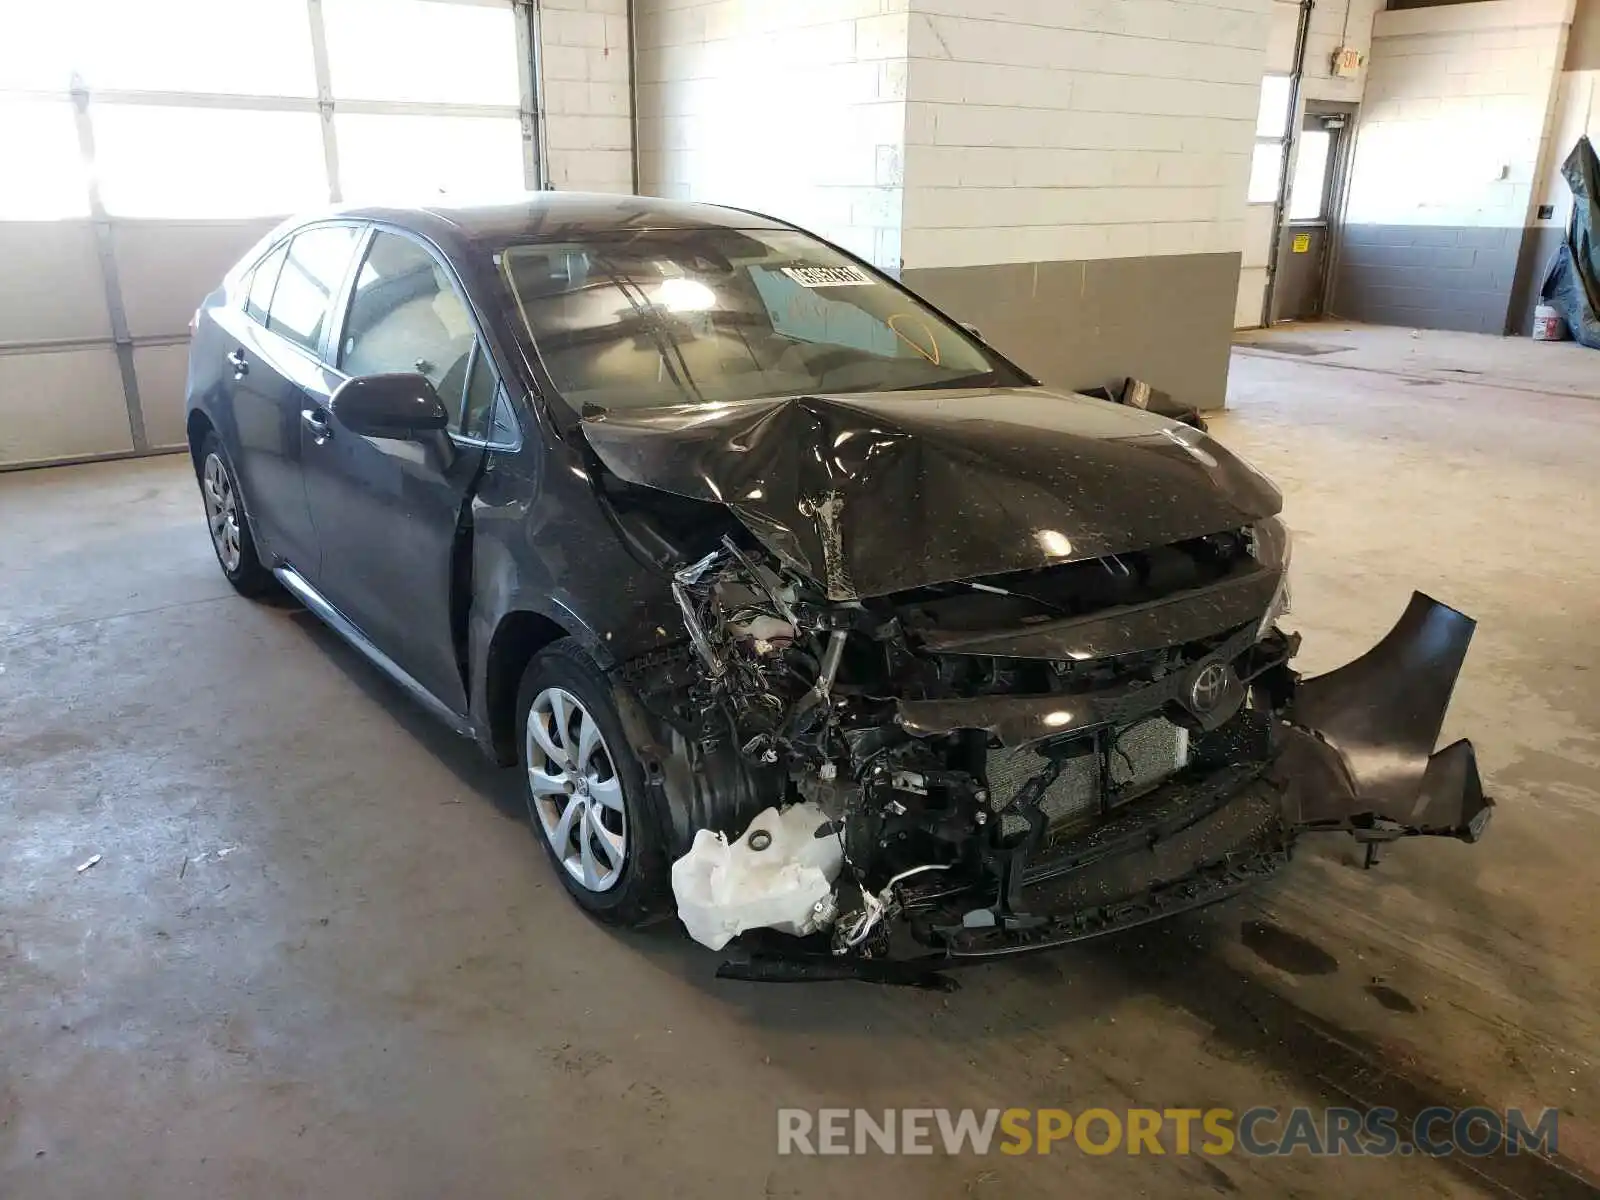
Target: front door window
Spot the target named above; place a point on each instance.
(406, 316)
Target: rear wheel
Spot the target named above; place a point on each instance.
(586, 792)
(225, 518)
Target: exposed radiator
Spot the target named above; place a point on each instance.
(1142, 755)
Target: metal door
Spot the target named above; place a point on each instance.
(1306, 233)
(258, 376)
(389, 511)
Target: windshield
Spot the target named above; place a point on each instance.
(691, 316)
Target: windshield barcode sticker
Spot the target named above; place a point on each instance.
(821, 277)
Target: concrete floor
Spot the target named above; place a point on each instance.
(1519, 364)
(321, 955)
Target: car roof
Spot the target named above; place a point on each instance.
(532, 216)
(553, 215)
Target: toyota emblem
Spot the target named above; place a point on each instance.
(1208, 688)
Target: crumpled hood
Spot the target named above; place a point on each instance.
(879, 492)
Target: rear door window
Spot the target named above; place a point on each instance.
(312, 275)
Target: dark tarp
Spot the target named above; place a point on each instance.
(1572, 284)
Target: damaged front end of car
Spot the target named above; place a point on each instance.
(871, 783)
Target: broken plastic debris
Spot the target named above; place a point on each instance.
(723, 890)
(84, 866)
(1136, 393)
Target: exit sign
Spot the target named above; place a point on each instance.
(1347, 62)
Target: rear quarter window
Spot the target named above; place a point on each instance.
(258, 300)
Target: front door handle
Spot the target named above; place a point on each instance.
(241, 365)
(316, 420)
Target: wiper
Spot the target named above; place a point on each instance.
(666, 344)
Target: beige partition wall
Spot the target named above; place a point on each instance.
(1446, 184)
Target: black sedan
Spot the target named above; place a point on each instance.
(806, 614)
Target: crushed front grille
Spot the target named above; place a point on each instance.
(1142, 755)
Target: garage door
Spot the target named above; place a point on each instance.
(1267, 163)
(144, 146)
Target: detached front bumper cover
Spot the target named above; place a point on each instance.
(1359, 754)
(1352, 751)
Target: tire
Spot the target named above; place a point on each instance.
(628, 887)
(227, 523)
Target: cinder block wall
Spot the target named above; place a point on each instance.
(794, 109)
(1075, 179)
(1458, 107)
(588, 129)
(1336, 23)
(1577, 114)
(1069, 175)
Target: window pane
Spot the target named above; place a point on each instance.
(800, 313)
(678, 316)
(504, 430)
(1266, 172)
(156, 161)
(428, 158)
(416, 50)
(481, 387)
(311, 275)
(1309, 184)
(503, 426)
(406, 316)
(41, 172)
(245, 47)
(262, 283)
(1273, 119)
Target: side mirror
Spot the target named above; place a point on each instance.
(389, 406)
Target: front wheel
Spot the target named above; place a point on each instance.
(225, 517)
(586, 791)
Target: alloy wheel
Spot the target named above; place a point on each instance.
(222, 512)
(574, 791)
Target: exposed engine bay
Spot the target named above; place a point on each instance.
(1058, 705)
(952, 783)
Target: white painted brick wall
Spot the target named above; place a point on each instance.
(794, 109)
(588, 135)
(1457, 108)
(1069, 129)
(1336, 23)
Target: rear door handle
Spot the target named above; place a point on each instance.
(241, 365)
(316, 420)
